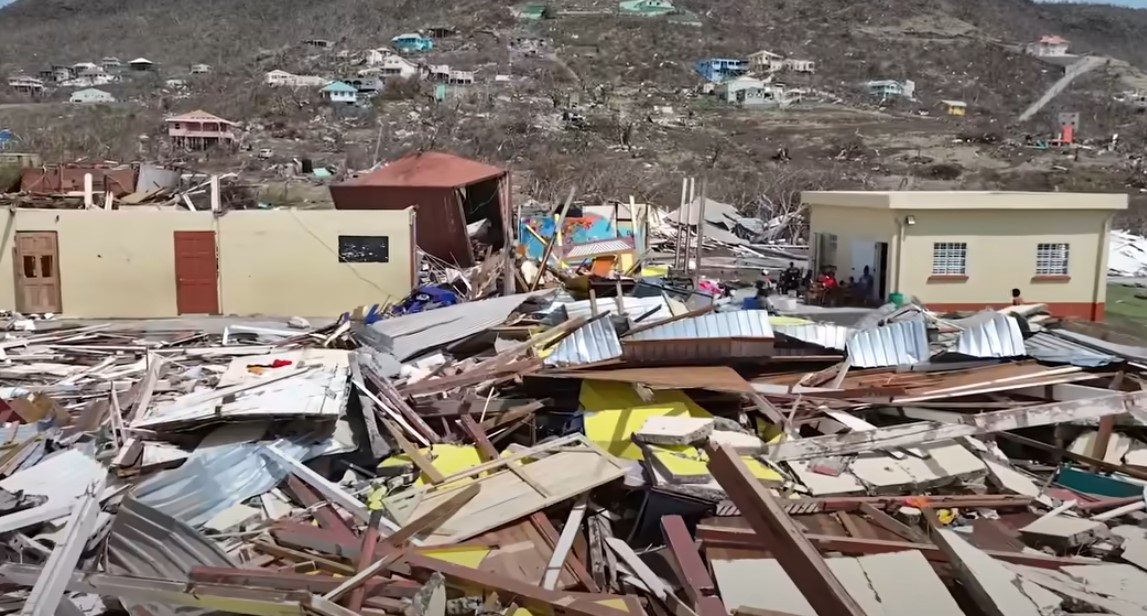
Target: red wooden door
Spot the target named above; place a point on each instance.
(196, 273)
(37, 261)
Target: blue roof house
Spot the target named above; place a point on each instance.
(339, 92)
(412, 41)
(720, 69)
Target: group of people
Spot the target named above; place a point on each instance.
(824, 287)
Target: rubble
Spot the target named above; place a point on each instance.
(577, 447)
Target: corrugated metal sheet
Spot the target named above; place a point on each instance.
(590, 344)
(633, 307)
(825, 335)
(145, 542)
(990, 334)
(897, 344)
(736, 324)
(609, 246)
(1046, 346)
(215, 478)
(1128, 352)
(413, 334)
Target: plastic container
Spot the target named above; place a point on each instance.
(896, 299)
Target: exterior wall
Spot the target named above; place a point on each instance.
(851, 225)
(1001, 256)
(286, 263)
(441, 225)
(121, 264)
(112, 264)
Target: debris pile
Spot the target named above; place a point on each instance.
(533, 454)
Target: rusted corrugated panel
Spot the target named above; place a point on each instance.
(826, 335)
(430, 169)
(990, 334)
(590, 344)
(897, 344)
(440, 226)
(713, 325)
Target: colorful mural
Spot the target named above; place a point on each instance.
(535, 231)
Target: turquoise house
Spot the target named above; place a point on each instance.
(412, 42)
(647, 8)
(339, 92)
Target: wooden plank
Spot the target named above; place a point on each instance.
(793, 551)
(994, 588)
(892, 525)
(425, 466)
(574, 466)
(565, 544)
(375, 442)
(698, 585)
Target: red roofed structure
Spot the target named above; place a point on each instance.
(448, 191)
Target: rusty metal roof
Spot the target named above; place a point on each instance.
(429, 170)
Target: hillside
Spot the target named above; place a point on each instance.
(626, 72)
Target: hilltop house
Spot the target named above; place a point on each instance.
(26, 85)
(766, 61)
(391, 65)
(799, 66)
(366, 86)
(200, 130)
(646, 8)
(750, 92)
(885, 89)
(1048, 46)
(110, 63)
(141, 65)
(277, 78)
(200, 69)
(955, 108)
(91, 96)
(443, 72)
(319, 43)
(339, 92)
(89, 76)
(412, 42)
(532, 11)
(720, 69)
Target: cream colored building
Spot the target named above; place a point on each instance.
(145, 262)
(968, 250)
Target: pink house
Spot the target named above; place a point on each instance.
(1049, 45)
(200, 130)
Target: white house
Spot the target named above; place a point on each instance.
(279, 78)
(766, 61)
(89, 77)
(339, 92)
(26, 85)
(91, 96)
(799, 66)
(1049, 46)
(394, 65)
(458, 77)
(200, 69)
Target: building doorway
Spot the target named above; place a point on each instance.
(37, 262)
(881, 273)
(196, 273)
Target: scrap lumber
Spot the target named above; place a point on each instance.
(795, 553)
(375, 442)
(425, 466)
(748, 539)
(322, 510)
(565, 544)
(691, 570)
(995, 589)
(920, 433)
(331, 491)
(48, 592)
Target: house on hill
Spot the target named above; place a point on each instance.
(885, 89)
(340, 93)
(1049, 46)
(141, 65)
(720, 69)
(646, 8)
(26, 85)
(91, 96)
(199, 130)
(412, 42)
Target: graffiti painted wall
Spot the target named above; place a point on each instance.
(580, 230)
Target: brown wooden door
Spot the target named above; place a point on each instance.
(37, 262)
(196, 273)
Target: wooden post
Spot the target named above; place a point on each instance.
(553, 239)
(700, 235)
(680, 213)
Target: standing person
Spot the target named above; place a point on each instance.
(790, 279)
(867, 282)
(1017, 299)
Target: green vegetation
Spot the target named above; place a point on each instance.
(1125, 309)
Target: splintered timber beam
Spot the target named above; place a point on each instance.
(793, 551)
(923, 432)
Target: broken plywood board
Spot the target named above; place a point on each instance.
(1061, 532)
(890, 584)
(741, 442)
(674, 430)
(997, 590)
(826, 485)
(945, 463)
(1118, 589)
(1134, 545)
(560, 470)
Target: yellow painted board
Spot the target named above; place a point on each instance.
(685, 461)
(783, 320)
(466, 556)
(448, 459)
(613, 429)
(607, 395)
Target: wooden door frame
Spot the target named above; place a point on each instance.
(218, 308)
(18, 272)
